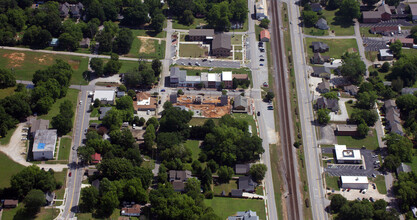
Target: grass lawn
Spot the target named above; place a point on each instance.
(89, 216)
(225, 207)
(249, 119)
(315, 31)
(349, 107)
(259, 190)
(148, 164)
(238, 48)
(94, 113)
(194, 147)
(332, 182)
(371, 55)
(380, 184)
(25, 64)
(337, 47)
(6, 92)
(192, 50)
(72, 95)
(340, 28)
(237, 39)
(61, 177)
(365, 32)
(9, 168)
(148, 33)
(412, 164)
(5, 140)
(227, 187)
(258, 32)
(370, 141)
(64, 148)
(94, 121)
(382, 75)
(128, 65)
(238, 56)
(197, 22)
(200, 121)
(409, 51)
(147, 49)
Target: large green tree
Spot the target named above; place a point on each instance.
(353, 67)
(7, 79)
(310, 18)
(349, 9)
(34, 200)
(32, 177)
(323, 116)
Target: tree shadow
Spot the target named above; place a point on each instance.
(340, 21)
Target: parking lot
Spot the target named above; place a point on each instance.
(392, 22)
(374, 43)
(209, 63)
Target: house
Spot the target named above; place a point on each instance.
(236, 193)
(408, 90)
(331, 104)
(242, 168)
(75, 10)
(246, 184)
(319, 47)
(133, 210)
(385, 54)
(354, 182)
(173, 98)
(413, 10)
(347, 156)
(321, 71)
(240, 104)
(260, 11)
(265, 36)
(95, 158)
(37, 124)
(105, 96)
(120, 94)
(383, 13)
(49, 198)
(227, 79)
(54, 42)
(351, 89)
(322, 24)
(144, 102)
(403, 168)
(221, 45)
(392, 117)
(406, 42)
(91, 172)
(319, 59)
(200, 34)
(323, 87)
(177, 76)
(346, 130)
(103, 111)
(178, 178)
(248, 215)
(64, 10)
(10, 203)
(316, 7)
(224, 100)
(44, 144)
(385, 30)
(85, 43)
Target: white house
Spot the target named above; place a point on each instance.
(44, 144)
(354, 182)
(105, 96)
(347, 156)
(260, 11)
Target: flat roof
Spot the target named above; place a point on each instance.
(354, 179)
(385, 53)
(193, 79)
(344, 154)
(201, 32)
(227, 76)
(45, 140)
(213, 77)
(104, 95)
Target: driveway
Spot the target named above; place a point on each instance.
(343, 116)
(327, 135)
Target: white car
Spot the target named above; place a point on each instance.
(81, 102)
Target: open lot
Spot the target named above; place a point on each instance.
(226, 187)
(25, 64)
(6, 92)
(193, 50)
(237, 39)
(64, 148)
(72, 95)
(208, 108)
(8, 168)
(332, 182)
(315, 31)
(61, 177)
(337, 47)
(238, 55)
(194, 147)
(225, 207)
(147, 48)
(148, 33)
(337, 25)
(197, 22)
(370, 141)
(201, 121)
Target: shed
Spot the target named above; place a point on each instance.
(54, 42)
(242, 168)
(354, 182)
(265, 36)
(10, 203)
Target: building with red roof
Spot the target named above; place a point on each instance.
(265, 36)
(96, 158)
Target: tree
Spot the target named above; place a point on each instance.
(323, 116)
(366, 100)
(108, 202)
(337, 202)
(16, 105)
(34, 200)
(396, 48)
(149, 137)
(187, 18)
(158, 20)
(16, 18)
(349, 10)
(257, 172)
(112, 67)
(7, 79)
(113, 119)
(123, 41)
(89, 198)
(135, 16)
(393, 2)
(206, 179)
(85, 152)
(385, 67)
(269, 96)
(264, 23)
(156, 66)
(310, 18)
(125, 103)
(370, 2)
(219, 16)
(62, 124)
(68, 42)
(357, 210)
(180, 92)
(96, 65)
(399, 146)
(225, 174)
(363, 129)
(330, 95)
(153, 121)
(162, 174)
(353, 67)
(239, 10)
(413, 33)
(406, 190)
(32, 177)
(131, 93)
(193, 187)
(405, 69)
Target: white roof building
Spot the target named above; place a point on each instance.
(105, 96)
(44, 144)
(214, 77)
(227, 76)
(344, 155)
(354, 182)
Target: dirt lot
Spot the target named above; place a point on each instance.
(209, 107)
(15, 59)
(147, 45)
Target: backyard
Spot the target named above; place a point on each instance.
(6, 173)
(413, 163)
(370, 141)
(225, 207)
(337, 47)
(193, 50)
(337, 25)
(25, 64)
(315, 31)
(194, 146)
(226, 187)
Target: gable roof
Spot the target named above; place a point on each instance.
(103, 111)
(323, 85)
(316, 7)
(265, 34)
(242, 168)
(201, 32)
(384, 9)
(240, 101)
(322, 24)
(413, 9)
(222, 41)
(246, 184)
(321, 69)
(319, 46)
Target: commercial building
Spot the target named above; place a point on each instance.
(227, 79)
(346, 130)
(383, 13)
(385, 54)
(248, 215)
(44, 144)
(260, 11)
(406, 42)
(37, 124)
(344, 155)
(105, 96)
(354, 182)
(221, 45)
(200, 34)
(179, 78)
(265, 36)
(385, 30)
(144, 102)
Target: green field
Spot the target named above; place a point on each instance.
(192, 50)
(365, 32)
(72, 95)
(370, 141)
(412, 52)
(128, 65)
(332, 182)
(197, 22)
(61, 176)
(337, 47)
(64, 148)
(226, 187)
(380, 184)
(315, 31)
(225, 207)
(258, 32)
(148, 33)
(238, 55)
(5, 140)
(194, 147)
(6, 92)
(237, 39)
(249, 119)
(152, 49)
(9, 168)
(25, 64)
(337, 25)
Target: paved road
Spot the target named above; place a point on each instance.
(361, 47)
(311, 151)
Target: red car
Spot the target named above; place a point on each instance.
(69, 174)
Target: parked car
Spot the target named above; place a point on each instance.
(265, 84)
(259, 113)
(262, 59)
(261, 64)
(270, 107)
(162, 90)
(371, 199)
(69, 174)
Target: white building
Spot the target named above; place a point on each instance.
(105, 96)
(354, 182)
(260, 11)
(44, 144)
(347, 156)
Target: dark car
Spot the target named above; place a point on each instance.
(270, 107)
(259, 113)
(69, 174)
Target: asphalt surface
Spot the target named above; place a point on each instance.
(214, 63)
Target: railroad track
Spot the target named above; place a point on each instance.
(293, 211)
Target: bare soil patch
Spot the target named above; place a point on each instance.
(15, 59)
(75, 64)
(45, 59)
(147, 45)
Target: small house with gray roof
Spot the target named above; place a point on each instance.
(221, 45)
(248, 215)
(242, 168)
(331, 104)
(322, 24)
(323, 87)
(319, 47)
(240, 104)
(246, 184)
(103, 112)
